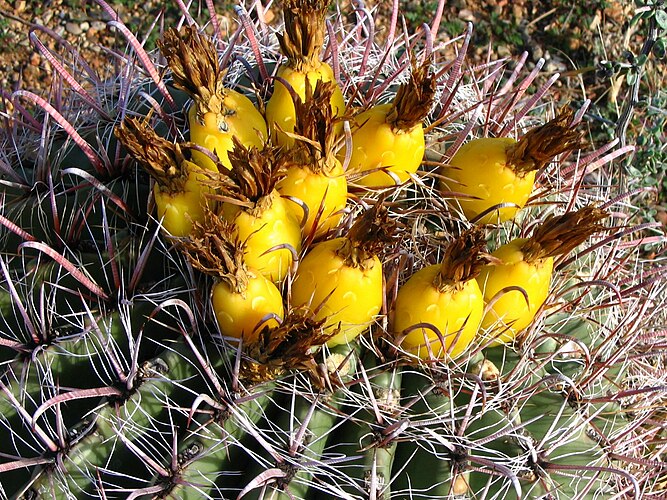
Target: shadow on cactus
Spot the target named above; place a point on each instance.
(124, 375)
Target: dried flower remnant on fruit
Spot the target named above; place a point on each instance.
(214, 250)
(255, 173)
(181, 190)
(559, 235)
(290, 346)
(463, 260)
(497, 174)
(526, 264)
(193, 61)
(413, 99)
(314, 130)
(370, 234)
(162, 159)
(303, 37)
(541, 144)
(341, 279)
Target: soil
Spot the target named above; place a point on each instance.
(570, 39)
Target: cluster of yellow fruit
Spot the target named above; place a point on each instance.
(261, 184)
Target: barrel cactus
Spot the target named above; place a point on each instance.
(117, 382)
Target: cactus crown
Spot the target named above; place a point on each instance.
(101, 313)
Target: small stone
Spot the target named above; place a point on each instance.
(504, 51)
(98, 25)
(73, 28)
(85, 26)
(467, 15)
(553, 67)
(538, 53)
(35, 59)
(661, 217)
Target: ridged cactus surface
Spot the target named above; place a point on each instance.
(129, 205)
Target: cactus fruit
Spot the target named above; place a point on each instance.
(119, 379)
(497, 174)
(217, 115)
(301, 42)
(388, 139)
(315, 180)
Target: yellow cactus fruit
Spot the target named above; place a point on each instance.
(180, 188)
(243, 301)
(315, 180)
(217, 114)
(261, 217)
(301, 43)
(340, 280)
(388, 139)
(520, 278)
(497, 175)
(445, 297)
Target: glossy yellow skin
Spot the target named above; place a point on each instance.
(274, 226)
(375, 144)
(510, 314)
(280, 107)
(418, 301)
(239, 315)
(314, 190)
(245, 123)
(356, 294)
(480, 169)
(178, 210)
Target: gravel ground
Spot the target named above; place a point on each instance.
(507, 27)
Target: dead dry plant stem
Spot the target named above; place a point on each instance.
(631, 104)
